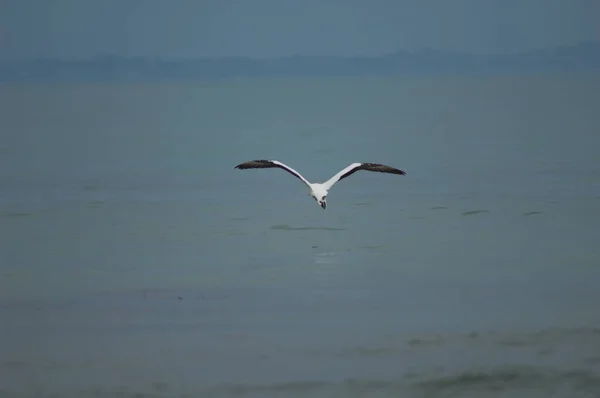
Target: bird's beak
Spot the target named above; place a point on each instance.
(323, 204)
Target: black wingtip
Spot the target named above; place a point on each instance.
(255, 164)
(242, 166)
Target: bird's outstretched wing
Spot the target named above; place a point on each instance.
(265, 164)
(354, 167)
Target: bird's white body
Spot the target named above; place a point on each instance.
(319, 191)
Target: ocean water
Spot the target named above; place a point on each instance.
(135, 261)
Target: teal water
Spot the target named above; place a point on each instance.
(136, 260)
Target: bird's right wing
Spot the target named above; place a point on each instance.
(264, 164)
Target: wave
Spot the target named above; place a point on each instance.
(517, 382)
(286, 227)
(514, 379)
(497, 383)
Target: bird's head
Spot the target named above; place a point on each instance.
(323, 202)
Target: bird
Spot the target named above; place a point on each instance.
(319, 191)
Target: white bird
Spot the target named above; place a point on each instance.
(319, 191)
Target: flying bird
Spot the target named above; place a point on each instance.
(319, 191)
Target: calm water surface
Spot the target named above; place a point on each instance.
(135, 261)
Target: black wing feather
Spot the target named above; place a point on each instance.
(257, 164)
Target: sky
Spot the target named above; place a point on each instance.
(275, 28)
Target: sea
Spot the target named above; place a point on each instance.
(136, 261)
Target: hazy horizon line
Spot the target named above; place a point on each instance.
(582, 43)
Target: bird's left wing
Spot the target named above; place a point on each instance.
(354, 167)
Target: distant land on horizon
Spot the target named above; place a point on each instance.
(584, 56)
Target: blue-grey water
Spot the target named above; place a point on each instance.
(135, 261)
